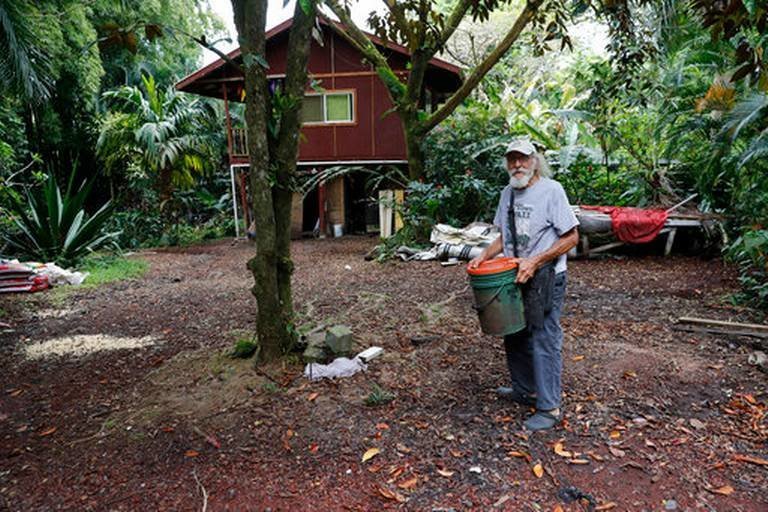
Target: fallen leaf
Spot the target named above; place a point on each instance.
(391, 495)
(750, 399)
(697, 424)
(577, 461)
(16, 392)
(286, 438)
(213, 441)
(562, 452)
(615, 434)
(409, 484)
(576, 359)
(630, 374)
(404, 449)
(22, 428)
(750, 459)
(597, 457)
(47, 432)
(167, 429)
(314, 447)
(725, 490)
(382, 426)
(455, 453)
(522, 455)
(191, 453)
(312, 396)
(370, 453)
(606, 506)
(445, 472)
(616, 452)
(538, 470)
(557, 508)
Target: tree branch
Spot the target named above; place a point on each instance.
(357, 38)
(453, 22)
(525, 17)
(398, 18)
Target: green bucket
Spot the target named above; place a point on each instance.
(498, 301)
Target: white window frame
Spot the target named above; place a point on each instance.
(351, 93)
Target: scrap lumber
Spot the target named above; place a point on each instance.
(722, 323)
(716, 330)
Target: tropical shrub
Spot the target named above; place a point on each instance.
(54, 226)
(160, 133)
(750, 253)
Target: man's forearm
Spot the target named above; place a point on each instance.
(492, 250)
(564, 244)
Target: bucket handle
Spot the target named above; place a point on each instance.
(480, 307)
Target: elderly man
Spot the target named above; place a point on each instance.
(538, 234)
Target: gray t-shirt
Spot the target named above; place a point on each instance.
(542, 216)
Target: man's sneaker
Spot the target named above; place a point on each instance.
(515, 395)
(542, 420)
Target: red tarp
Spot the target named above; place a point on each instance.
(16, 277)
(633, 225)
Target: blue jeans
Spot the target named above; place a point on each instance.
(534, 356)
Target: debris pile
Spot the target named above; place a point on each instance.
(17, 277)
(34, 277)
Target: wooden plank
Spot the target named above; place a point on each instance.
(722, 323)
(605, 247)
(670, 241)
(714, 330)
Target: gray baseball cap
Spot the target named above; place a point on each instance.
(523, 146)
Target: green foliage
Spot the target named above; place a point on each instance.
(271, 387)
(24, 66)
(158, 132)
(244, 348)
(53, 226)
(378, 396)
(750, 253)
(107, 268)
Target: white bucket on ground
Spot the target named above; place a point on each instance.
(338, 230)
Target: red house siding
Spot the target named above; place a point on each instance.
(336, 65)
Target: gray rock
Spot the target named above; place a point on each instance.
(316, 339)
(339, 340)
(315, 354)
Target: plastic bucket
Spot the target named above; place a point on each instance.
(498, 301)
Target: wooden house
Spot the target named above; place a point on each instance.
(347, 121)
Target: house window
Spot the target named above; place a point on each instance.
(328, 107)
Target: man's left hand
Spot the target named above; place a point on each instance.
(526, 267)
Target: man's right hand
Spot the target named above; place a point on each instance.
(475, 262)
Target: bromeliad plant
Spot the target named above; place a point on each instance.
(54, 226)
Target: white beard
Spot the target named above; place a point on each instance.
(522, 182)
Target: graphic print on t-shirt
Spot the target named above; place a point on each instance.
(523, 224)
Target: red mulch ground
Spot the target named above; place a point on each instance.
(652, 414)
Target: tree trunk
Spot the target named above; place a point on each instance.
(271, 327)
(414, 144)
(164, 186)
(273, 168)
(285, 157)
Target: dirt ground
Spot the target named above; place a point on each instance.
(655, 418)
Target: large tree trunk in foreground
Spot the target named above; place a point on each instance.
(250, 19)
(272, 168)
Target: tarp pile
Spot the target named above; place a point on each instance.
(633, 225)
(33, 277)
(453, 243)
(17, 277)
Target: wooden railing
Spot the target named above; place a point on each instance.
(239, 142)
